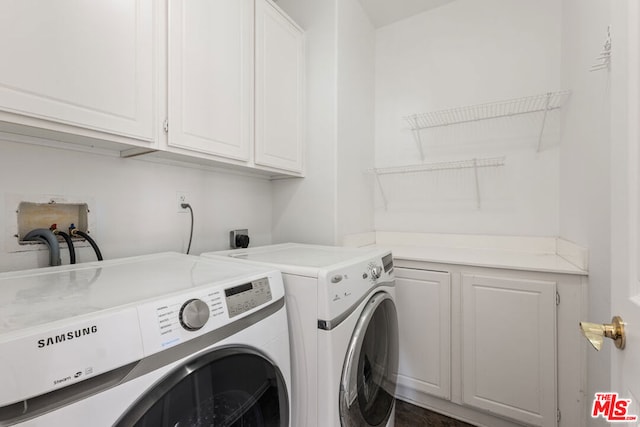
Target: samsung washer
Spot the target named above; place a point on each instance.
(343, 331)
(164, 339)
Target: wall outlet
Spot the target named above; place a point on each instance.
(239, 238)
(182, 197)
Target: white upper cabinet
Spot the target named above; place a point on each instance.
(279, 110)
(211, 76)
(79, 64)
(226, 77)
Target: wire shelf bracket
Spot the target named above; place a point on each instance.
(603, 61)
(543, 103)
(474, 164)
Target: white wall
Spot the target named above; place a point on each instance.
(585, 153)
(134, 202)
(464, 53)
(304, 210)
(355, 119)
(335, 198)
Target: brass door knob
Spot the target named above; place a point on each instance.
(595, 332)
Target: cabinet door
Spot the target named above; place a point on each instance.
(79, 63)
(210, 76)
(424, 323)
(279, 90)
(509, 347)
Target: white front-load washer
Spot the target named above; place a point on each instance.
(157, 340)
(343, 331)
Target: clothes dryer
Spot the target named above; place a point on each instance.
(166, 339)
(343, 331)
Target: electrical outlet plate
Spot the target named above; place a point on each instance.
(182, 197)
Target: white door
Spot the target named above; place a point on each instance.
(625, 285)
(211, 77)
(79, 63)
(424, 332)
(509, 347)
(279, 90)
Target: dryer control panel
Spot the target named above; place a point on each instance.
(346, 286)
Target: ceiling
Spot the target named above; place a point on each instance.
(384, 12)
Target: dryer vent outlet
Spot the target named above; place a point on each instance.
(239, 238)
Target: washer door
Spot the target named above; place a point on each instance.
(369, 374)
(235, 386)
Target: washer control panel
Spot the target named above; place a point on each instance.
(244, 297)
(176, 319)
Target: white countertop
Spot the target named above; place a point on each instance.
(544, 254)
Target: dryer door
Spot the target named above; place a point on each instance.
(234, 386)
(369, 374)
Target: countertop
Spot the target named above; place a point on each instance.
(543, 254)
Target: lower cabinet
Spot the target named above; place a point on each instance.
(424, 328)
(490, 346)
(509, 347)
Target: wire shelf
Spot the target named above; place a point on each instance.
(472, 113)
(440, 166)
(474, 164)
(512, 107)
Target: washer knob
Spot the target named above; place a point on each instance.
(194, 314)
(376, 272)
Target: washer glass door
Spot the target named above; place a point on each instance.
(369, 374)
(231, 387)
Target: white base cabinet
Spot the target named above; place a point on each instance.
(512, 354)
(424, 331)
(509, 347)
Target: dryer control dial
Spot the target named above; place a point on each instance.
(376, 271)
(194, 314)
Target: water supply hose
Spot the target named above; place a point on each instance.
(94, 245)
(46, 236)
(67, 238)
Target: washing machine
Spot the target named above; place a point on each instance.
(158, 340)
(343, 331)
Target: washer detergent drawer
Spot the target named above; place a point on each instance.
(42, 359)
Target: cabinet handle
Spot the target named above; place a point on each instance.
(595, 332)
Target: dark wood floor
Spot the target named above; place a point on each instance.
(408, 415)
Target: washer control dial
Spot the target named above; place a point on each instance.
(194, 314)
(376, 272)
